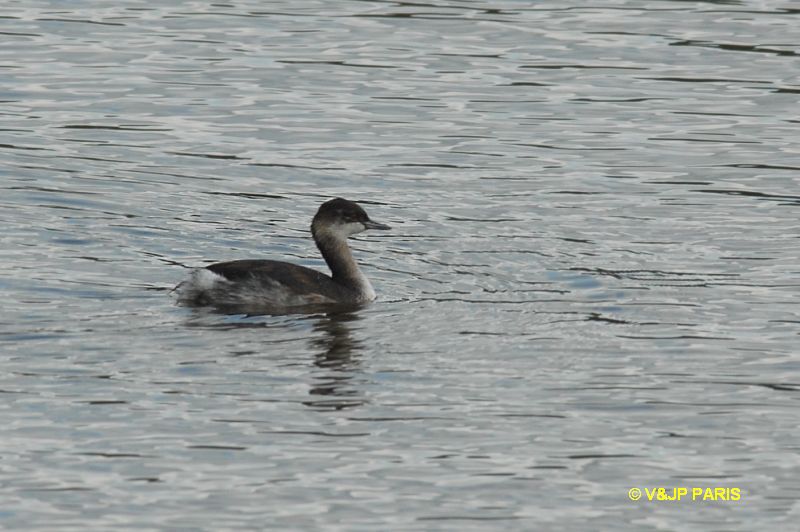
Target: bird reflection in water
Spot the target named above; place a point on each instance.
(336, 351)
(338, 361)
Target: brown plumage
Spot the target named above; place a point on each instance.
(276, 284)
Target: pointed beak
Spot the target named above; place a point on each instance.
(369, 224)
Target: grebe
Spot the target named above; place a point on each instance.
(275, 284)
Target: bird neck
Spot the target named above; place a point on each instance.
(339, 257)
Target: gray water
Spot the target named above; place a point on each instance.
(592, 283)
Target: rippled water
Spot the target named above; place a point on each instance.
(592, 284)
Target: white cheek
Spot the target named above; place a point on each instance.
(351, 228)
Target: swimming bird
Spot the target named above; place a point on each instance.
(276, 284)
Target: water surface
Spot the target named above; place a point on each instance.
(591, 285)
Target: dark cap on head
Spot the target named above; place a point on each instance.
(342, 211)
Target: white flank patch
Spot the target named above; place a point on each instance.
(204, 279)
(200, 281)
